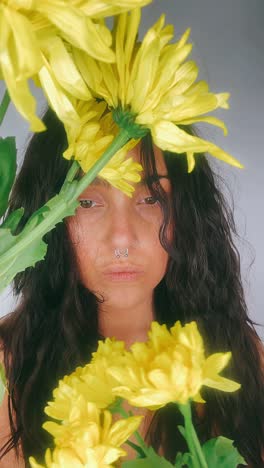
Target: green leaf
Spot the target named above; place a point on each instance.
(13, 220)
(220, 453)
(7, 170)
(27, 248)
(153, 460)
(183, 459)
(28, 256)
(116, 406)
(35, 219)
(2, 382)
(7, 240)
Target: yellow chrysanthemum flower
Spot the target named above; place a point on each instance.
(33, 40)
(152, 82)
(25, 26)
(170, 367)
(92, 136)
(91, 381)
(89, 437)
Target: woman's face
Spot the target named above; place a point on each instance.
(107, 220)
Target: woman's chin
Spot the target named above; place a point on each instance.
(121, 299)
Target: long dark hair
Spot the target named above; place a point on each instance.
(54, 328)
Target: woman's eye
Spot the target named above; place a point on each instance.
(149, 200)
(87, 203)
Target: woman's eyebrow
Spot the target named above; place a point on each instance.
(153, 178)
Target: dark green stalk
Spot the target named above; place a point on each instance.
(4, 105)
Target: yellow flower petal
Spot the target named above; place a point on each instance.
(98, 9)
(222, 99)
(4, 31)
(66, 71)
(221, 383)
(26, 60)
(89, 68)
(111, 84)
(169, 137)
(34, 464)
(121, 430)
(119, 35)
(75, 27)
(212, 366)
(22, 98)
(190, 161)
(57, 98)
(187, 107)
(66, 458)
(208, 119)
(216, 363)
(170, 61)
(145, 65)
(132, 29)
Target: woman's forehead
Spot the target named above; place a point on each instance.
(135, 153)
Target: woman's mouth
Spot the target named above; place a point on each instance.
(122, 273)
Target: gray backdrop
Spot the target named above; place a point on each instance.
(228, 38)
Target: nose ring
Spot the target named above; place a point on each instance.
(121, 253)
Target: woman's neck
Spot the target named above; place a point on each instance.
(126, 324)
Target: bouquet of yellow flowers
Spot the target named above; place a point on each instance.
(170, 367)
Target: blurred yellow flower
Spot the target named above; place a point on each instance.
(88, 438)
(170, 367)
(90, 136)
(151, 81)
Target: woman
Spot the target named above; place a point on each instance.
(166, 253)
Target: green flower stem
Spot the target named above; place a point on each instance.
(140, 440)
(71, 173)
(191, 437)
(4, 105)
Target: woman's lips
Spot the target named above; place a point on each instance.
(122, 274)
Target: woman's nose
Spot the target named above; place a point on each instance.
(123, 229)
